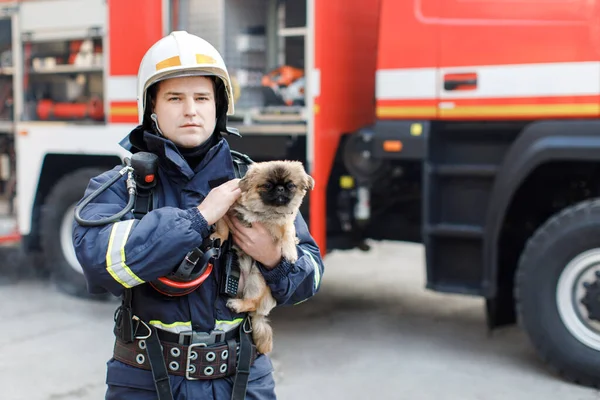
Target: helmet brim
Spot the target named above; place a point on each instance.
(179, 73)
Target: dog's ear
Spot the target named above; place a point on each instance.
(247, 181)
(309, 182)
(244, 184)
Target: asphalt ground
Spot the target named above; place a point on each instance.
(372, 332)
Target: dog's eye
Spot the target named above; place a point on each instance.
(291, 186)
(268, 186)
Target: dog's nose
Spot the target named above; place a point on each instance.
(280, 189)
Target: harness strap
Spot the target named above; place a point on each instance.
(240, 383)
(231, 349)
(191, 260)
(158, 366)
(124, 328)
(126, 331)
(240, 163)
(143, 203)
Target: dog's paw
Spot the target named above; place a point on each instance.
(290, 253)
(234, 304)
(240, 305)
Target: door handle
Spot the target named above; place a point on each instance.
(460, 81)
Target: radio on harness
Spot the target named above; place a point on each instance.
(231, 271)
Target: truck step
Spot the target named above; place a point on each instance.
(479, 170)
(455, 230)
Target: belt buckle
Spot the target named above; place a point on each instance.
(215, 336)
(192, 356)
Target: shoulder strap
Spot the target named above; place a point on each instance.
(240, 163)
(143, 204)
(124, 328)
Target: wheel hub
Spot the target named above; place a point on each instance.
(591, 300)
(578, 298)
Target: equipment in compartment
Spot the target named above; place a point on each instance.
(6, 101)
(284, 86)
(50, 110)
(6, 71)
(63, 80)
(263, 45)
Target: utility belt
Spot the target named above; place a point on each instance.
(193, 355)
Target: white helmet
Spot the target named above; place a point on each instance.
(180, 54)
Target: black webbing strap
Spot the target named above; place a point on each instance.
(194, 258)
(158, 366)
(143, 203)
(240, 163)
(240, 383)
(124, 328)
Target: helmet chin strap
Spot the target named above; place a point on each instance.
(221, 126)
(154, 118)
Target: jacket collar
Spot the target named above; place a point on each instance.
(171, 159)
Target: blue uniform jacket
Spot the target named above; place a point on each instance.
(130, 252)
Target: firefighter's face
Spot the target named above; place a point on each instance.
(186, 110)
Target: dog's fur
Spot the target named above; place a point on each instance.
(272, 193)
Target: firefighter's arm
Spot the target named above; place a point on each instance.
(130, 252)
(295, 283)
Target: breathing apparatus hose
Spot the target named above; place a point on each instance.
(131, 189)
(141, 171)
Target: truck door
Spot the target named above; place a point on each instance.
(528, 60)
(407, 60)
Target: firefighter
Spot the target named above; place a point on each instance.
(177, 339)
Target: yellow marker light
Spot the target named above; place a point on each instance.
(416, 129)
(346, 182)
(392, 146)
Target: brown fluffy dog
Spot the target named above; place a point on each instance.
(272, 193)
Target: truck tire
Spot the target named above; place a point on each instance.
(56, 233)
(549, 286)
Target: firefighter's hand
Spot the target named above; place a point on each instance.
(218, 201)
(255, 241)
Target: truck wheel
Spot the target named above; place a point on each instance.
(56, 233)
(558, 289)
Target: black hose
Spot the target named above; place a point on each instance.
(131, 188)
